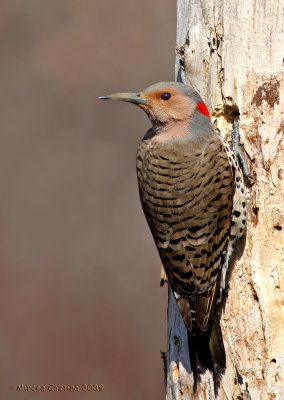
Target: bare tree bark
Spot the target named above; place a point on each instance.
(232, 53)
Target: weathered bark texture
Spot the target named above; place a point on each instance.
(233, 55)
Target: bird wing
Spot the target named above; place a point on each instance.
(187, 202)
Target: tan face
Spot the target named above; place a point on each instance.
(167, 105)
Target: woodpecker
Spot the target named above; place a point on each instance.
(193, 197)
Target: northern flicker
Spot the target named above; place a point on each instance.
(192, 193)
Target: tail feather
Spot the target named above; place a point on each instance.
(205, 343)
(206, 350)
(217, 346)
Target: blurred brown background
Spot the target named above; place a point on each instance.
(80, 297)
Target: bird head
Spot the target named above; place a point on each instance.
(168, 102)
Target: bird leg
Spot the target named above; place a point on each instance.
(249, 179)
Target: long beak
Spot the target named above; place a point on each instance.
(134, 98)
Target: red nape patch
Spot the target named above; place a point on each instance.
(201, 107)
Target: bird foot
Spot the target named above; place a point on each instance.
(164, 278)
(249, 179)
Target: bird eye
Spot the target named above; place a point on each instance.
(166, 96)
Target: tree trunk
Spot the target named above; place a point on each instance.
(232, 53)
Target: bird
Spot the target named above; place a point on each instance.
(193, 196)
